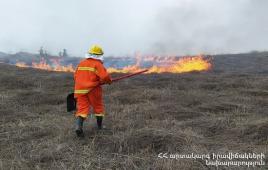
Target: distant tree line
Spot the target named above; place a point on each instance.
(43, 53)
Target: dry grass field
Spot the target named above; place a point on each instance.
(200, 113)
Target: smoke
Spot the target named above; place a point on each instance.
(210, 26)
(125, 27)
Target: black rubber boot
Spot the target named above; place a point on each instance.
(99, 121)
(79, 127)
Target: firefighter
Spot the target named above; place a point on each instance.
(89, 74)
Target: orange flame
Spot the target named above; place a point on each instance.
(57, 67)
(185, 64)
(168, 65)
(21, 64)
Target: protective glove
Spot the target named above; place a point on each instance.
(106, 82)
(109, 82)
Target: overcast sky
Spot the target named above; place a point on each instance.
(174, 27)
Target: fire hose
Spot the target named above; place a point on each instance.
(71, 101)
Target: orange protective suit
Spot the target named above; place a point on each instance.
(88, 76)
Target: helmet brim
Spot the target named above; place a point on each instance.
(95, 53)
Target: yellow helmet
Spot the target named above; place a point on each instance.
(95, 49)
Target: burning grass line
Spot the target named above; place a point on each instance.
(184, 64)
